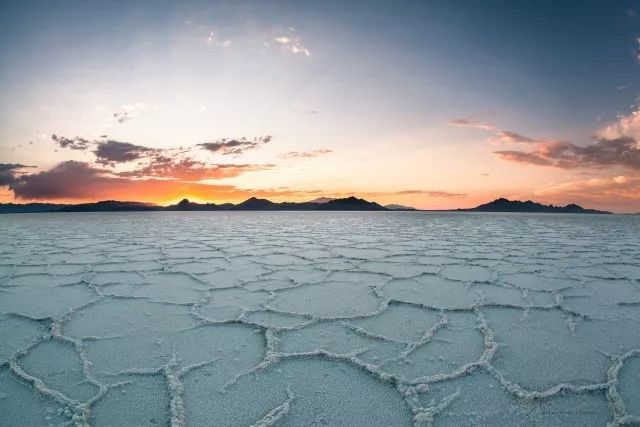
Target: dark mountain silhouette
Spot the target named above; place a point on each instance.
(28, 207)
(255, 204)
(108, 206)
(251, 204)
(505, 205)
(186, 205)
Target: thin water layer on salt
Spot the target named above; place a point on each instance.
(319, 319)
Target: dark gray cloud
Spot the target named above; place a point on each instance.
(567, 155)
(76, 143)
(233, 146)
(60, 182)
(111, 152)
(107, 152)
(72, 180)
(9, 172)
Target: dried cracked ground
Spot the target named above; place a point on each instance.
(319, 319)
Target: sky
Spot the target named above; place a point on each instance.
(431, 104)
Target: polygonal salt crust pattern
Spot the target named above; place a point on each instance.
(319, 319)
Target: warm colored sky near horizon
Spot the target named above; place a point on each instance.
(434, 104)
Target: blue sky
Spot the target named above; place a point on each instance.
(374, 83)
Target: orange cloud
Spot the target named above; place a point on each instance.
(618, 193)
(191, 170)
(79, 181)
(623, 151)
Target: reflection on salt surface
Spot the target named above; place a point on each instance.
(258, 318)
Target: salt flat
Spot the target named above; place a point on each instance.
(319, 318)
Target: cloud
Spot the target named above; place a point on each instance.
(214, 39)
(168, 163)
(191, 170)
(599, 190)
(72, 180)
(431, 193)
(111, 152)
(122, 116)
(65, 180)
(511, 137)
(567, 155)
(616, 145)
(523, 157)
(232, 146)
(130, 111)
(625, 126)
(9, 172)
(305, 154)
(76, 143)
(291, 42)
(469, 122)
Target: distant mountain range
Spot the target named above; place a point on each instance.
(255, 204)
(505, 205)
(252, 204)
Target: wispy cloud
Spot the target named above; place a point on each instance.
(213, 38)
(191, 170)
(291, 42)
(511, 137)
(75, 143)
(430, 193)
(234, 146)
(597, 190)
(625, 126)
(305, 154)
(470, 122)
(130, 111)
